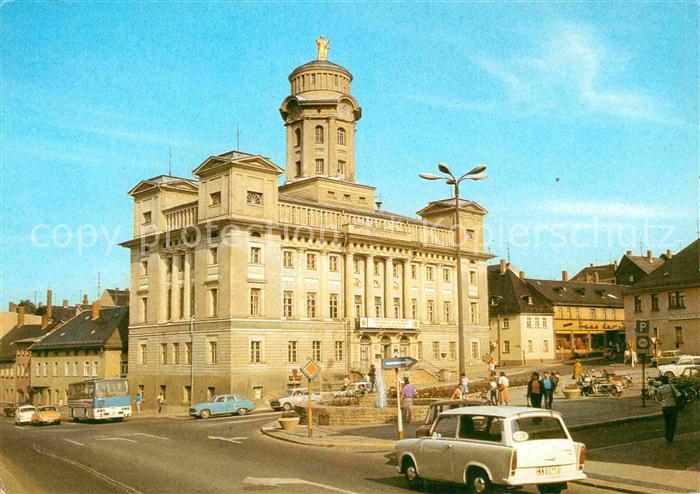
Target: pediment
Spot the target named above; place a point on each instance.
(215, 164)
(164, 182)
(437, 207)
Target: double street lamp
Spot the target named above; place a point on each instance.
(475, 173)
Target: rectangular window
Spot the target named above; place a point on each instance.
(414, 308)
(472, 277)
(144, 267)
(94, 369)
(676, 300)
(298, 168)
(395, 270)
(341, 136)
(429, 273)
(436, 350)
(333, 305)
(254, 198)
(292, 352)
(453, 350)
(182, 302)
(255, 294)
(163, 353)
(310, 261)
(356, 266)
(319, 165)
(529, 322)
(638, 302)
(316, 350)
(446, 274)
(678, 330)
(143, 354)
(311, 305)
(287, 303)
(593, 313)
(529, 346)
(506, 323)
(66, 369)
(474, 312)
(544, 322)
(287, 259)
(333, 264)
(377, 269)
(213, 302)
(76, 371)
(147, 218)
(176, 354)
(213, 355)
(341, 168)
(358, 306)
(431, 311)
(447, 312)
(545, 346)
(188, 353)
(506, 346)
(397, 307)
(186, 393)
(537, 322)
(339, 351)
(169, 304)
(420, 350)
(255, 255)
(215, 198)
(378, 306)
(213, 255)
(86, 368)
(414, 271)
(475, 350)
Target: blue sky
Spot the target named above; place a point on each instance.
(602, 96)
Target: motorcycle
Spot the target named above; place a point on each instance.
(591, 386)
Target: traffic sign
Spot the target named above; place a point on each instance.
(643, 344)
(398, 363)
(642, 327)
(310, 369)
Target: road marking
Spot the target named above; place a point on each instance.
(243, 421)
(236, 440)
(116, 439)
(637, 442)
(74, 442)
(92, 471)
(146, 435)
(277, 482)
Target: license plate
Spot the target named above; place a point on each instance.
(549, 471)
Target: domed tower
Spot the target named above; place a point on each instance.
(320, 115)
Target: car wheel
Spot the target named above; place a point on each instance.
(242, 411)
(58, 422)
(669, 374)
(616, 391)
(287, 407)
(205, 414)
(410, 473)
(478, 482)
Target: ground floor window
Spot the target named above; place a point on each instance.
(364, 351)
(211, 391)
(187, 394)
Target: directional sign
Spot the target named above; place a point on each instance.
(310, 369)
(643, 344)
(398, 363)
(642, 327)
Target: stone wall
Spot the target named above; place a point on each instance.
(355, 415)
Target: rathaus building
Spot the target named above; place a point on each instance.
(237, 280)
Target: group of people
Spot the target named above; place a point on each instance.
(369, 380)
(539, 388)
(630, 357)
(160, 401)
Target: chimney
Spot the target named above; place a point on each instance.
(85, 300)
(615, 265)
(650, 256)
(564, 276)
(669, 254)
(596, 277)
(628, 253)
(49, 303)
(44, 320)
(591, 264)
(95, 310)
(20, 316)
(521, 274)
(65, 303)
(502, 266)
(12, 307)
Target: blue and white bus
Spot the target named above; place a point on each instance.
(99, 399)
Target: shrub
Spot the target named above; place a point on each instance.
(289, 415)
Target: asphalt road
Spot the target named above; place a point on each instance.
(218, 455)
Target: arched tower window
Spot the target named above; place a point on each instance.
(318, 134)
(341, 136)
(297, 137)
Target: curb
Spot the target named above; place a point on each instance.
(625, 420)
(374, 446)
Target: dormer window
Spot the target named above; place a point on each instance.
(495, 301)
(147, 218)
(527, 299)
(215, 198)
(581, 291)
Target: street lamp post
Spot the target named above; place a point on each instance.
(450, 179)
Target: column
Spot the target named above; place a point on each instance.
(388, 287)
(421, 291)
(347, 282)
(406, 294)
(299, 305)
(175, 289)
(439, 315)
(162, 310)
(187, 286)
(369, 286)
(323, 309)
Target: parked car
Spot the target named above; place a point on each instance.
(676, 368)
(440, 406)
(358, 389)
(24, 414)
(666, 357)
(46, 415)
(691, 371)
(297, 396)
(10, 409)
(489, 447)
(229, 404)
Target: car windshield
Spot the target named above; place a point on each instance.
(540, 428)
(47, 409)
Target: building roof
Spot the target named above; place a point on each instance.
(605, 272)
(579, 293)
(119, 297)
(513, 294)
(8, 343)
(63, 314)
(109, 330)
(645, 264)
(681, 269)
(320, 64)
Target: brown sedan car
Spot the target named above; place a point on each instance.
(440, 406)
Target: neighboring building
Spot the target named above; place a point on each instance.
(92, 344)
(588, 317)
(235, 281)
(632, 269)
(604, 273)
(8, 320)
(114, 297)
(669, 298)
(521, 320)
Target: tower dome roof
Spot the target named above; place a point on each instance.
(320, 65)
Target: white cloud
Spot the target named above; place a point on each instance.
(609, 209)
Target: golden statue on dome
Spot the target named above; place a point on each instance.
(322, 47)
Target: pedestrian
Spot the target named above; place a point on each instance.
(493, 390)
(464, 384)
(160, 400)
(408, 393)
(372, 376)
(626, 356)
(534, 391)
(503, 391)
(457, 393)
(633, 357)
(669, 406)
(139, 399)
(578, 370)
(492, 369)
(346, 383)
(555, 381)
(548, 390)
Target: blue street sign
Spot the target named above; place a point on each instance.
(398, 363)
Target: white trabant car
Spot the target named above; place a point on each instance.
(487, 447)
(24, 414)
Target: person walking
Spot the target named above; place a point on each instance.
(139, 399)
(626, 357)
(408, 393)
(492, 369)
(578, 370)
(346, 383)
(503, 391)
(669, 407)
(534, 391)
(633, 357)
(372, 376)
(160, 400)
(464, 384)
(493, 390)
(548, 390)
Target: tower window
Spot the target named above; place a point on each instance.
(298, 167)
(297, 137)
(341, 136)
(319, 165)
(341, 168)
(255, 198)
(318, 134)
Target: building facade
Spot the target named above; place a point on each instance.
(236, 281)
(669, 298)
